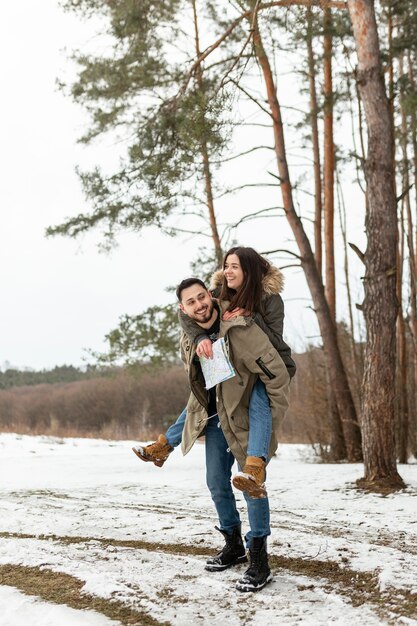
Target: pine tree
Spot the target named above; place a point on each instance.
(133, 91)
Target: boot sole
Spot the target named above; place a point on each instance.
(220, 568)
(247, 587)
(244, 483)
(142, 457)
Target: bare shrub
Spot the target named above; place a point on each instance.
(120, 407)
(306, 420)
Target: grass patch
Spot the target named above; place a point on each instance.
(137, 544)
(62, 588)
(360, 587)
(167, 593)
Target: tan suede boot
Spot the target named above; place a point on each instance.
(156, 453)
(252, 479)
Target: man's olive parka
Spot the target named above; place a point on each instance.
(252, 355)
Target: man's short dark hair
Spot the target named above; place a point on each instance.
(188, 282)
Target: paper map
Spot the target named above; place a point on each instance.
(219, 368)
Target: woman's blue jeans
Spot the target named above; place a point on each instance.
(260, 423)
(174, 432)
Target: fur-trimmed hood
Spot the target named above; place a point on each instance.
(272, 282)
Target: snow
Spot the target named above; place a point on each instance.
(20, 610)
(97, 490)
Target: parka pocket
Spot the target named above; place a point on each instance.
(264, 367)
(240, 419)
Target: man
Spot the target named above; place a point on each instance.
(221, 414)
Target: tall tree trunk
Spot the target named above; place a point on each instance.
(328, 169)
(412, 237)
(412, 243)
(401, 326)
(318, 201)
(328, 175)
(402, 351)
(353, 346)
(412, 405)
(205, 154)
(380, 304)
(327, 328)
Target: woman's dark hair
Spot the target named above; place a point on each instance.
(249, 294)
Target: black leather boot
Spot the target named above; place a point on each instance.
(233, 552)
(258, 573)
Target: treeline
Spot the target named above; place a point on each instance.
(308, 417)
(122, 407)
(139, 405)
(12, 377)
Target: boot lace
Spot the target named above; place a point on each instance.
(255, 561)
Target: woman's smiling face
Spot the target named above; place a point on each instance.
(233, 272)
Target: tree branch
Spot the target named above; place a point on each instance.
(233, 189)
(236, 156)
(250, 97)
(335, 4)
(323, 4)
(227, 60)
(256, 215)
(248, 38)
(297, 256)
(284, 267)
(404, 193)
(169, 230)
(358, 252)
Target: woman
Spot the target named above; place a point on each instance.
(251, 286)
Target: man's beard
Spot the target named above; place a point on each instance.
(207, 315)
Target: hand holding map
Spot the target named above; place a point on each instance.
(219, 368)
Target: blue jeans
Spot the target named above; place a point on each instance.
(219, 462)
(260, 423)
(174, 432)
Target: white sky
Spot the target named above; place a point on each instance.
(61, 296)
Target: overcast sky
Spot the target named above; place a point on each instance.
(60, 296)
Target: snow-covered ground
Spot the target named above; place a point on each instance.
(138, 535)
(17, 608)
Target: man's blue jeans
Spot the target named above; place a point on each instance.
(260, 423)
(219, 462)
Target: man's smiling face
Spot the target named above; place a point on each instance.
(197, 303)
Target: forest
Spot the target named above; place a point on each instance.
(190, 91)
